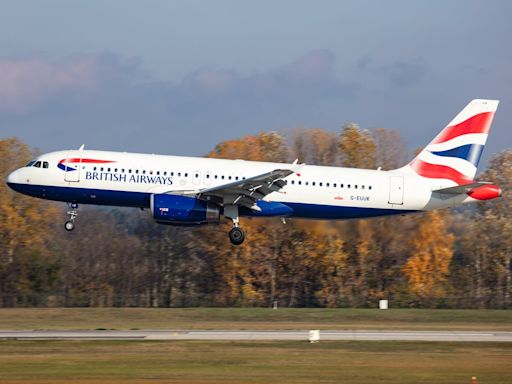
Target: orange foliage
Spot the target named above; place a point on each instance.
(432, 250)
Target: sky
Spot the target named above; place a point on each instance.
(178, 77)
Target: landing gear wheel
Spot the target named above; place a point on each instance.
(236, 236)
(69, 225)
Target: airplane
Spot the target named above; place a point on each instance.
(191, 191)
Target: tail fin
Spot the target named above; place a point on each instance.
(454, 153)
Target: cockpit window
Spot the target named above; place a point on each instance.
(37, 164)
(45, 164)
(30, 163)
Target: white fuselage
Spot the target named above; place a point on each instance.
(318, 192)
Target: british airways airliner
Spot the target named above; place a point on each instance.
(195, 191)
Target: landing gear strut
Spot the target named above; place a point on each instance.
(73, 213)
(236, 234)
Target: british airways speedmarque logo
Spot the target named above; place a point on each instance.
(70, 165)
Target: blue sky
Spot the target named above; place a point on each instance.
(177, 77)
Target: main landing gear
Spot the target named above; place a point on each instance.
(73, 213)
(236, 234)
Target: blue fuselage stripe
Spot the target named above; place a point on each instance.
(142, 200)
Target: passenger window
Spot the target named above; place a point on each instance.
(307, 183)
(45, 164)
(313, 183)
(136, 171)
(369, 187)
(129, 171)
(186, 174)
(293, 181)
(229, 177)
(108, 169)
(348, 185)
(37, 164)
(355, 186)
(207, 175)
(172, 173)
(320, 184)
(300, 182)
(362, 186)
(158, 173)
(196, 175)
(341, 185)
(144, 172)
(236, 178)
(101, 169)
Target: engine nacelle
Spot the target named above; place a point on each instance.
(182, 210)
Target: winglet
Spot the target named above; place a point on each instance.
(81, 147)
(296, 168)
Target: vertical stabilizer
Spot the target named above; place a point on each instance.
(455, 153)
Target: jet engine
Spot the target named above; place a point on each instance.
(182, 210)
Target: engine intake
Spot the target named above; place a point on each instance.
(183, 210)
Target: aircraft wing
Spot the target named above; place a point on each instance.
(247, 191)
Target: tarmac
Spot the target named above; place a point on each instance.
(277, 335)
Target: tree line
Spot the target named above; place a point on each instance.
(458, 258)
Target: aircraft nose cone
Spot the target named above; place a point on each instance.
(13, 178)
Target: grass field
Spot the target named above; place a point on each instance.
(254, 318)
(253, 362)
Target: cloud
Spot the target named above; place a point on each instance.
(109, 101)
(399, 73)
(26, 82)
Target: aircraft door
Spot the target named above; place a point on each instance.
(72, 167)
(396, 190)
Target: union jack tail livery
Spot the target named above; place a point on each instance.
(454, 153)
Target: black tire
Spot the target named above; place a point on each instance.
(69, 226)
(236, 236)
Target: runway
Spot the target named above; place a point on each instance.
(460, 336)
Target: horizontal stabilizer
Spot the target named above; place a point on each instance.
(461, 189)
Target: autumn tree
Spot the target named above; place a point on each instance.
(390, 150)
(427, 268)
(315, 146)
(24, 227)
(357, 147)
(265, 146)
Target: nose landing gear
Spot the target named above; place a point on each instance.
(73, 213)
